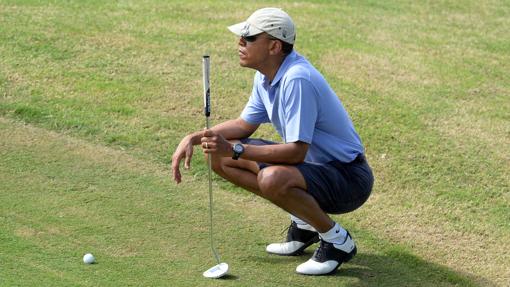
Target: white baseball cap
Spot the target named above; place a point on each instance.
(273, 21)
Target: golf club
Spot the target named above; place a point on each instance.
(220, 269)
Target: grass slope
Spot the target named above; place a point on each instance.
(64, 197)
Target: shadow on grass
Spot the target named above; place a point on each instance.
(393, 268)
(396, 267)
(229, 277)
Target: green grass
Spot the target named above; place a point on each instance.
(95, 95)
(67, 197)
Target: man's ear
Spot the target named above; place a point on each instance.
(275, 47)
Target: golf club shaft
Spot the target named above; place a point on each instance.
(207, 113)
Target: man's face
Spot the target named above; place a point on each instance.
(254, 50)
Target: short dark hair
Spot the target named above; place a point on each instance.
(287, 47)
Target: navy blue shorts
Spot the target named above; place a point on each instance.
(337, 187)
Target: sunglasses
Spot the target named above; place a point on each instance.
(250, 39)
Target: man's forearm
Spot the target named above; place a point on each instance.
(231, 129)
(234, 129)
(291, 153)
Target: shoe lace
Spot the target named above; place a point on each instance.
(320, 251)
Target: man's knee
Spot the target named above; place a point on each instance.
(274, 181)
(216, 164)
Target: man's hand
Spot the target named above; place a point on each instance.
(183, 150)
(213, 142)
(216, 144)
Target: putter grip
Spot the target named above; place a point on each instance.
(207, 96)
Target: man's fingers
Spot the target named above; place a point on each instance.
(209, 147)
(187, 159)
(208, 133)
(177, 177)
(209, 140)
(183, 152)
(187, 162)
(176, 173)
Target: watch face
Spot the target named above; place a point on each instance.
(238, 148)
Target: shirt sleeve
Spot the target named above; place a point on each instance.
(255, 111)
(299, 103)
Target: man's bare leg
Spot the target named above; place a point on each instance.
(285, 186)
(240, 172)
(282, 185)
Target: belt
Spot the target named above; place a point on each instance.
(359, 159)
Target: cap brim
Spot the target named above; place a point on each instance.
(239, 28)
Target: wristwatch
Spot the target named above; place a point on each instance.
(238, 149)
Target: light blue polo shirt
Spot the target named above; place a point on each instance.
(302, 107)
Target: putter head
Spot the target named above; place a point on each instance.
(217, 271)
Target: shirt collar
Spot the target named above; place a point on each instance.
(283, 68)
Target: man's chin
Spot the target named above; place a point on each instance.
(246, 64)
(243, 63)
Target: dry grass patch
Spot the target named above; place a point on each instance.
(479, 120)
(369, 72)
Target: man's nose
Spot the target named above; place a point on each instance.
(242, 42)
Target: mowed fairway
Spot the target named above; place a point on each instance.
(95, 95)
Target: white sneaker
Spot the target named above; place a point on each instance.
(328, 257)
(297, 241)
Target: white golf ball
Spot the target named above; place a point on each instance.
(89, 258)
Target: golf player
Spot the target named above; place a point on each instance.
(319, 168)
